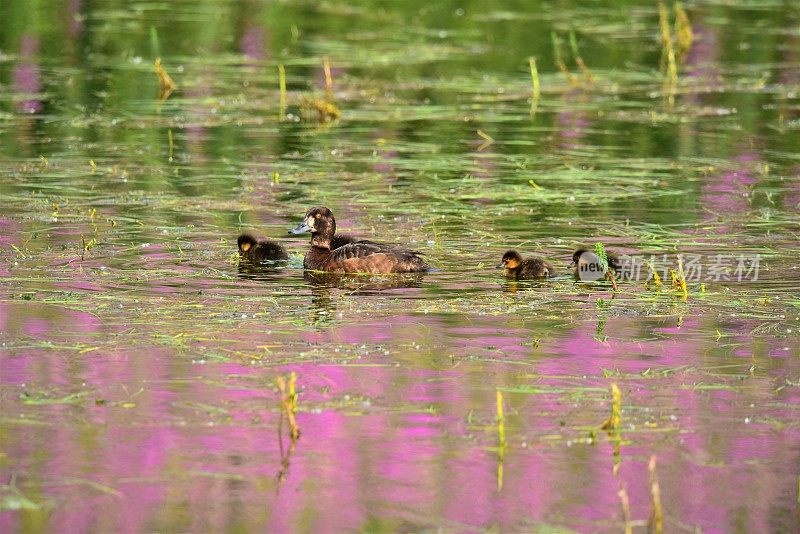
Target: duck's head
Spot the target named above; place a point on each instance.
(246, 242)
(576, 256)
(511, 260)
(318, 221)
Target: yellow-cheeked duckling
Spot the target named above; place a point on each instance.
(354, 257)
(517, 268)
(257, 250)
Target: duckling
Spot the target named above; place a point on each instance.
(586, 264)
(257, 250)
(518, 268)
(357, 257)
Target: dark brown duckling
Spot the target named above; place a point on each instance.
(586, 264)
(258, 250)
(357, 257)
(518, 268)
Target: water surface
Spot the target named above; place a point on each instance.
(139, 361)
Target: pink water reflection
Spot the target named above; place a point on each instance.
(185, 446)
(26, 75)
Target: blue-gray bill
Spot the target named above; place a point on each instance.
(300, 229)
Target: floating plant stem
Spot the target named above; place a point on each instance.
(326, 66)
(21, 254)
(560, 61)
(682, 280)
(501, 439)
(600, 250)
(573, 42)
(616, 453)
(487, 140)
(86, 246)
(326, 111)
(165, 84)
(679, 281)
(654, 275)
(683, 31)
(656, 521)
(282, 83)
(536, 89)
(667, 54)
(501, 420)
(293, 391)
(626, 508)
(289, 402)
(286, 454)
(671, 79)
(666, 32)
(614, 422)
(599, 330)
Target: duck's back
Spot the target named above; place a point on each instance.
(364, 257)
(535, 268)
(267, 251)
(340, 240)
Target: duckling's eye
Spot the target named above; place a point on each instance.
(318, 215)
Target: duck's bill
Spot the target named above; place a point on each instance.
(500, 265)
(301, 228)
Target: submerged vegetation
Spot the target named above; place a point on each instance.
(145, 364)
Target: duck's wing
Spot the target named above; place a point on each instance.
(359, 249)
(340, 240)
(536, 268)
(367, 256)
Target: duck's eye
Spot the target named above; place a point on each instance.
(318, 215)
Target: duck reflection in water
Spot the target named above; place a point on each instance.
(326, 288)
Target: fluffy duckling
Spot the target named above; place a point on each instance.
(257, 250)
(518, 268)
(354, 257)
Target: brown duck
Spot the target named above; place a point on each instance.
(353, 257)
